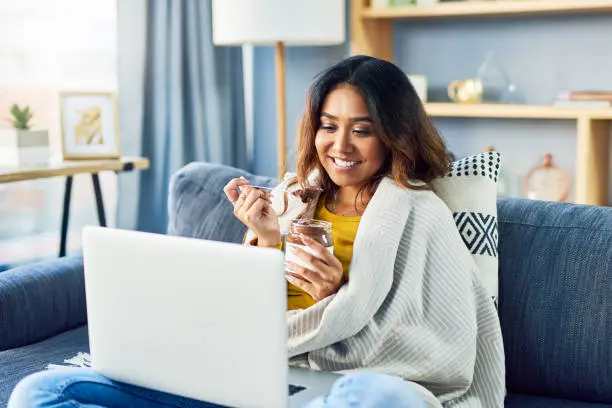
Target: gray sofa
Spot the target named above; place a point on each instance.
(555, 300)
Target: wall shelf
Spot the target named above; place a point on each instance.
(515, 111)
(499, 8)
(372, 34)
(592, 134)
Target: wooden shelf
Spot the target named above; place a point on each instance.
(71, 168)
(488, 8)
(515, 111)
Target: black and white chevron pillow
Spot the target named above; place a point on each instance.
(470, 191)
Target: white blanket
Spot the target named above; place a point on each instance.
(413, 305)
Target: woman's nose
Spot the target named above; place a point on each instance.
(342, 142)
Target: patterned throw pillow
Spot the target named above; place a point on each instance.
(470, 191)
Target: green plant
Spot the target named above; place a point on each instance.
(21, 117)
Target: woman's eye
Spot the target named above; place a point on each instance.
(328, 128)
(363, 132)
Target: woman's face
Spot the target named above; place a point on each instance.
(346, 144)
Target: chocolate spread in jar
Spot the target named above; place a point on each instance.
(318, 230)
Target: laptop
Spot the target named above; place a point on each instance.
(195, 318)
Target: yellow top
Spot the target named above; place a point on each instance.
(344, 230)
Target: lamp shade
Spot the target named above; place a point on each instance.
(266, 22)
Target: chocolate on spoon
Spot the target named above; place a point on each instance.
(308, 194)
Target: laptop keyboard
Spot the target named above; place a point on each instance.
(294, 389)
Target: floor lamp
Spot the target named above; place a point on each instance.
(279, 23)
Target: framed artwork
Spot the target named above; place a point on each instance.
(89, 125)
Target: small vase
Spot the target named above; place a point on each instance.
(24, 147)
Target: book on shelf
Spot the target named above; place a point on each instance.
(584, 99)
(580, 96)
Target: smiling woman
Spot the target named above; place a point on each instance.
(398, 292)
(366, 124)
(347, 144)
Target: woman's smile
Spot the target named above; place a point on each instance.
(343, 164)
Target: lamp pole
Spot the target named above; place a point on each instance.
(281, 118)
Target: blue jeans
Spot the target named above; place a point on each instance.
(81, 387)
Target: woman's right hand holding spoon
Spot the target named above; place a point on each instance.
(253, 208)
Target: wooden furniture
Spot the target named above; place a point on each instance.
(489, 8)
(372, 34)
(69, 169)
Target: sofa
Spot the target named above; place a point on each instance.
(555, 294)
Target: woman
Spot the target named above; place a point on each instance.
(400, 294)
(399, 298)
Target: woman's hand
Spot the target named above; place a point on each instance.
(253, 208)
(324, 275)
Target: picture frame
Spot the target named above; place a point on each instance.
(89, 125)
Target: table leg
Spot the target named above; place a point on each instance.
(65, 216)
(99, 201)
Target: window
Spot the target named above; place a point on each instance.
(47, 47)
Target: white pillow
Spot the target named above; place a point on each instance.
(470, 191)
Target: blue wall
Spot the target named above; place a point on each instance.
(542, 55)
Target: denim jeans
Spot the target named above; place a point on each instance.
(81, 387)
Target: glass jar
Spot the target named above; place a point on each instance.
(496, 83)
(320, 231)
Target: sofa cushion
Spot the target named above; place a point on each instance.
(556, 298)
(40, 300)
(527, 401)
(18, 363)
(470, 192)
(198, 207)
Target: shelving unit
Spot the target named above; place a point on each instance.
(372, 34)
(503, 111)
(489, 8)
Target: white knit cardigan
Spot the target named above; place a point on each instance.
(413, 305)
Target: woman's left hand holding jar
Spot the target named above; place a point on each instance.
(324, 275)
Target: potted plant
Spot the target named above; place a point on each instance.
(21, 145)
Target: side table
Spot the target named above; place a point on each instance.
(69, 169)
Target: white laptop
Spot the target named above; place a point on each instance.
(195, 318)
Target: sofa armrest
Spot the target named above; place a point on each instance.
(41, 300)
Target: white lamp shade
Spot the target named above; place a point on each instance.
(266, 22)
